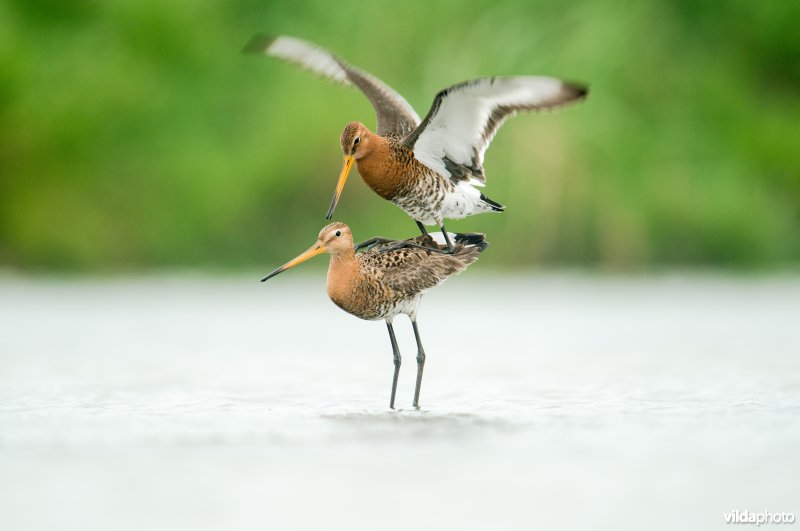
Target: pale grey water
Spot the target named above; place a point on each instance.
(552, 402)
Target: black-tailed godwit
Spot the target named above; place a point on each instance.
(389, 279)
(429, 168)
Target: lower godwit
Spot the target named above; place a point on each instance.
(428, 168)
(388, 279)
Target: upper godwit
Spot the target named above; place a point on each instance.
(430, 168)
(388, 279)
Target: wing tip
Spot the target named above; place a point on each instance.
(575, 91)
(258, 43)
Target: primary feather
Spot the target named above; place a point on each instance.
(394, 114)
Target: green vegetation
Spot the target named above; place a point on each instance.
(133, 134)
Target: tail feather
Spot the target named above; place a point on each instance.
(473, 238)
(497, 207)
(466, 240)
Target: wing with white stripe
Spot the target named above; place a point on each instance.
(464, 118)
(394, 114)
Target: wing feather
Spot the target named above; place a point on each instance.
(410, 270)
(464, 118)
(394, 114)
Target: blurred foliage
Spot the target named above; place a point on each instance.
(133, 134)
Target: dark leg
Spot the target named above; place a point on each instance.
(406, 244)
(396, 354)
(371, 242)
(396, 244)
(450, 247)
(434, 246)
(420, 363)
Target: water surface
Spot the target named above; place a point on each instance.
(553, 402)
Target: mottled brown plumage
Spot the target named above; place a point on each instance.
(389, 278)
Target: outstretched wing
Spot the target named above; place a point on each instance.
(394, 114)
(464, 118)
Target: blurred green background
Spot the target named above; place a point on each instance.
(134, 135)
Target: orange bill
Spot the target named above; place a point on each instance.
(348, 165)
(316, 249)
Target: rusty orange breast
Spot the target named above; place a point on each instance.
(343, 280)
(385, 169)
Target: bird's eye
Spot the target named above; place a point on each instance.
(356, 141)
(338, 233)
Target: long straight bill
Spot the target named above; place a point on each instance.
(348, 165)
(311, 253)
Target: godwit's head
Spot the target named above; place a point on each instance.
(335, 239)
(355, 141)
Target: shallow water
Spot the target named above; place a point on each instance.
(554, 402)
